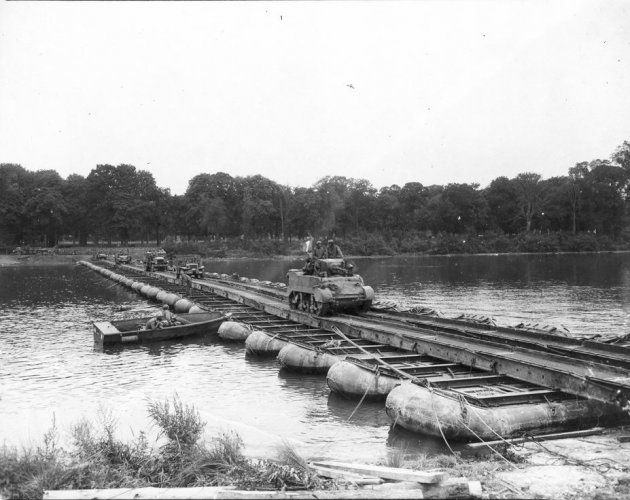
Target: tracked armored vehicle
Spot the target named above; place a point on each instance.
(327, 285)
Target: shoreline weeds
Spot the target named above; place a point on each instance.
(593, 467)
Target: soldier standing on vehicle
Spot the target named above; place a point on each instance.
(319, 252)
(308, 245)
(333, 251)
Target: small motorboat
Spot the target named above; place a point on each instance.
(133, 330)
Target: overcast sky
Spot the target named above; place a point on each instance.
(392, 92)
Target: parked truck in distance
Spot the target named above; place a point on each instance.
(123, 258)
(190, 265)
(155, 261)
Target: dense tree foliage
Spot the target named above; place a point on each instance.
(120, 203)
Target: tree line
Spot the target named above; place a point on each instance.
(121, 203)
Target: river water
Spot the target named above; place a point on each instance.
(51, 369)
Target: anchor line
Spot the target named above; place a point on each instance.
(359, 403)
(484, 442)
(488, 425)
(437, 419)
(492, 430)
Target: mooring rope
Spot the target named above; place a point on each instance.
(360, 402)
(437, 419)
(489, 426)
(484, 442)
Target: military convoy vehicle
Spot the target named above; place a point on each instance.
(190, 265)
(155, 262)
(123, 258)
(327, 285)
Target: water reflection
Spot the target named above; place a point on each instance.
(361, 413)
(301, 384)
(415, 444)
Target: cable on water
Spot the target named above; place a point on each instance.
(360, 401)
(437, 419)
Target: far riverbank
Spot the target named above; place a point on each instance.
(137, 254)
(413, 243)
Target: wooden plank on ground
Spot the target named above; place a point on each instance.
(392, 473)
(139, 493)
(193, 493)
(341, 474)
(225, 493)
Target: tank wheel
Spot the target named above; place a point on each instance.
(319, 308)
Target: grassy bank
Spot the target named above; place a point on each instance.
(596, 467)
(97, 459)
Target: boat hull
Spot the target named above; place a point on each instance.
(130, 331)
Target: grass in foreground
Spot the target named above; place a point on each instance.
(97, 459)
